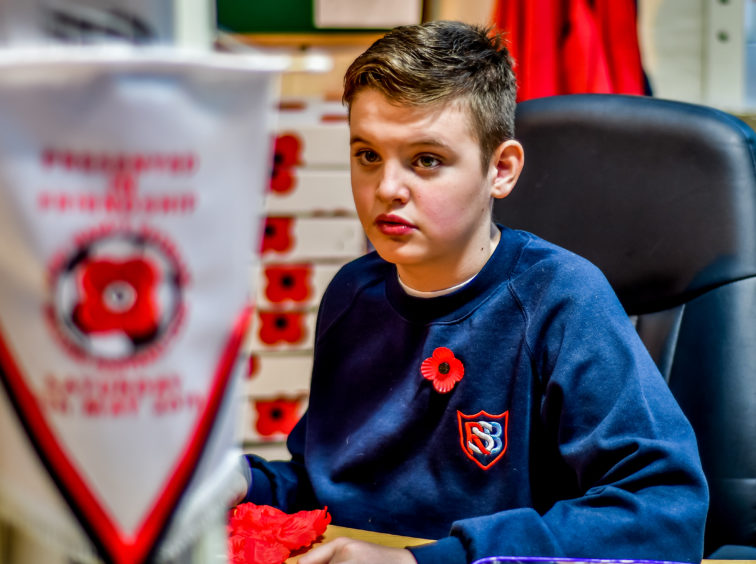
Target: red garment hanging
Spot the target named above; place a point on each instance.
(584, 65)
(572, 46)
(619, 29)
(532, 30)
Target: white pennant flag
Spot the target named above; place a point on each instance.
(130, 200)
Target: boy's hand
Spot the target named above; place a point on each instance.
(350, 551)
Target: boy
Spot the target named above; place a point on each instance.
(471, 383)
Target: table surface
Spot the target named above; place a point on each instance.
(334, 531)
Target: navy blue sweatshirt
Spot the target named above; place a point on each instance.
(560, 439)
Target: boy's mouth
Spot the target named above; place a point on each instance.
(393, 225)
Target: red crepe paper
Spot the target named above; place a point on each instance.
(250, 549)
(261, 534)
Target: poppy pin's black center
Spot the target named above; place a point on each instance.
(287, 281)
(276, 413)
(444, 368)
(281, 322)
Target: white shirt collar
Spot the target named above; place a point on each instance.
(434, 293)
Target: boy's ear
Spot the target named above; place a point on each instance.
(506, 165)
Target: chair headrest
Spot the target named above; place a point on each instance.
(661, 195)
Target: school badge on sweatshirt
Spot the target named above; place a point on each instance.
(130, 203)
(483, 437)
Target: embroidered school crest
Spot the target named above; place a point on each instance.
(483, 437)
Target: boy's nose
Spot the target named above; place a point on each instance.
(392, 185)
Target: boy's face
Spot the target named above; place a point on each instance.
(420, 191)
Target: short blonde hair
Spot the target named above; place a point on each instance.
(438, 62)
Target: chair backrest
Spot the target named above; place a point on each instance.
(661, 195)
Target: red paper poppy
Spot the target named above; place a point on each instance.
(282, 180)
(281, 327)
(290, 282)
(443, 369)
(276, 416)
(118, 295)
(286, 151)
(253, 366)
(285, 158)
(278, 234)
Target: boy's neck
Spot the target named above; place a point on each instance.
(427, 281)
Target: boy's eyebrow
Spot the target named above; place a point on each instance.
(433, 141)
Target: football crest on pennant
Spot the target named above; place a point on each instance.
(483, 437)
(117, 295)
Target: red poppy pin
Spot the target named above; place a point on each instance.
(443, 369)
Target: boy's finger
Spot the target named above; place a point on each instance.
(324, 553)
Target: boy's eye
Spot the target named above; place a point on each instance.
(427, 161)
(367, 156)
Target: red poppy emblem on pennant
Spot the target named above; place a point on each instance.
(483, 437)
(443, 369)
(118, 295)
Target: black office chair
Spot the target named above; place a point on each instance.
(661, 195)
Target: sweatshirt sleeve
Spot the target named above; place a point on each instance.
(618, 433)
(283, 484)
(286, 484)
